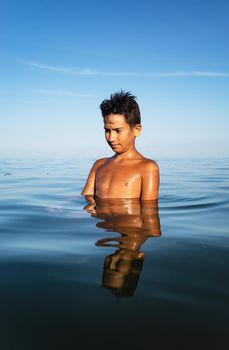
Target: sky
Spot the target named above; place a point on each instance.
(60, 58)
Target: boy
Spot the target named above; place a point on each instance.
(127, 174)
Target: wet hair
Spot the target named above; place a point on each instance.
(122, 103)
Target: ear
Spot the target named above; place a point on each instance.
(137, 130)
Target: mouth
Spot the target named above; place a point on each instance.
(113, 146)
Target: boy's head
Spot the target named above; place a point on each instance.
(122, 271)
(122, 103)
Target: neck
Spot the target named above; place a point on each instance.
(131, 152)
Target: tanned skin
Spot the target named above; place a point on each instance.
(127, 174)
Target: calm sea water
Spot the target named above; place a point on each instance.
(113, 276)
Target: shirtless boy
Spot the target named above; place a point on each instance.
(127, 174)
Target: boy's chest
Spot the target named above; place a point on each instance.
(118, 177)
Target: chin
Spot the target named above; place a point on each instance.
(118, 152)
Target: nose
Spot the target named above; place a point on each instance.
(111, 137)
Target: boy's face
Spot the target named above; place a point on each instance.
(119, 134)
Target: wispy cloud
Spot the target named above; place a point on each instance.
(63, 93)
(90, 72)
(63, 70)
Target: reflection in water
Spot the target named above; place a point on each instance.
(136, 221)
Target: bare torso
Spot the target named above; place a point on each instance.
(116, 177)
(122, 177)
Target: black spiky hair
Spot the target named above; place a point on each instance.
(123, 103)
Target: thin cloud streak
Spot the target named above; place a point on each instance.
(63, 93)
(90, 72)
(63, 70)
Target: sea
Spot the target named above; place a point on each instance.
(78, 274)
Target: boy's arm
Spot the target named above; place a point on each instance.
(89, 188)
(150, 181)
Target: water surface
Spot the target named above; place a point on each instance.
(117, 275)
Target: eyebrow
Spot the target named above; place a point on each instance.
(114, 128)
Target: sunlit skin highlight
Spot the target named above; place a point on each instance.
(127, 174)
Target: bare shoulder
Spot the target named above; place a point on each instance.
(149, 165)
(89, 188)
(150, 180)
(99, 162)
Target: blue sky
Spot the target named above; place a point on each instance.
(60, 59)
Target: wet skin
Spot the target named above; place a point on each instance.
(127, 174)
